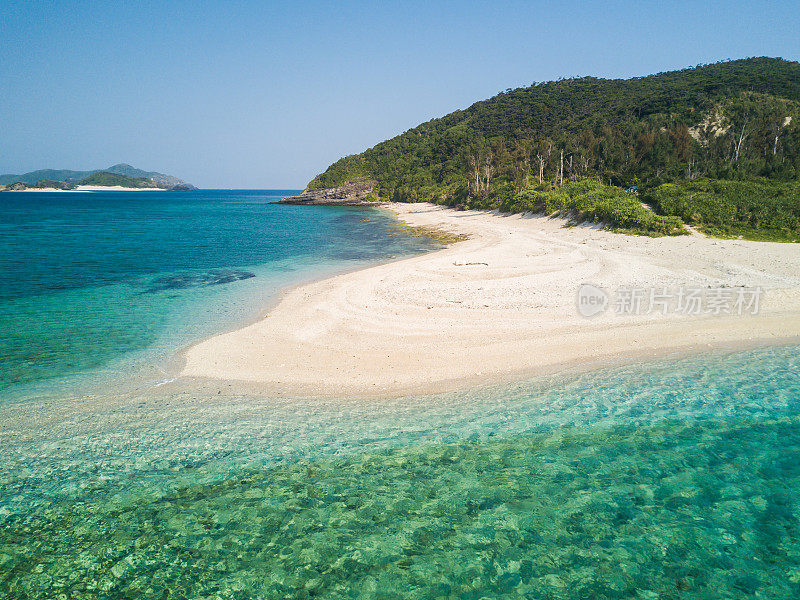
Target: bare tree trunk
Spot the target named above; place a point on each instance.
(561, 170)
(541, 167)
(526, 178)
(473, 164)
(488, 172)
(738, 145)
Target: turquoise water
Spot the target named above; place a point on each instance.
(676, 479)
(96, 284)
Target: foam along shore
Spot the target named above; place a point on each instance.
(92, 188)
(502, 305)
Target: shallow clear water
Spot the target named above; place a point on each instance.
(113, 282)
(671, 480)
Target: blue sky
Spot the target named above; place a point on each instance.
(267, 94)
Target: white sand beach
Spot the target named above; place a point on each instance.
(115, 188)
(502, 306)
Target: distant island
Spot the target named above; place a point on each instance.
(120, 176)
(715, 146)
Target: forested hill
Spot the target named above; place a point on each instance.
(733, 120)
(70, 177)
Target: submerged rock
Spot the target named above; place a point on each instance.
(177, 282)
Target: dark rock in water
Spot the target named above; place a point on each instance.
(188, 280)
(356, 192)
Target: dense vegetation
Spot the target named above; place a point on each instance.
(761, 209)
(66, 176)
(589, 200)
(109, 179)
(53, 183)
(34, 177)
(737, 120)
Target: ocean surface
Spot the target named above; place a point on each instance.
(107, 283)
(676, 478)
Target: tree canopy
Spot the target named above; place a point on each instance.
(734, 120)
(731, 120)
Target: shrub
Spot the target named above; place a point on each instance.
(759, 209)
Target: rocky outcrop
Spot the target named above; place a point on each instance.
(355, 192)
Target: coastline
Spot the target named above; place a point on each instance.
(497, 307)
(93, 188)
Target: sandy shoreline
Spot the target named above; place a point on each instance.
(499, 306)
